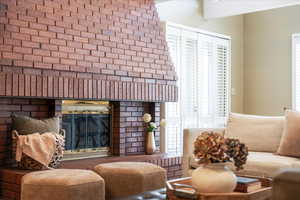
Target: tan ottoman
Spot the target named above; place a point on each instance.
(62, 184)
(130, 178)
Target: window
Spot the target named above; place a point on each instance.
(202, 62)
(296, 71)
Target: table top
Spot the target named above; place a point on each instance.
(262, 194)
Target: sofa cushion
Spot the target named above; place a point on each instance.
(289, 145)
(262, 164)
(259, 133)
(27, 125)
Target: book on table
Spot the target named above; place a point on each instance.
(247, 184)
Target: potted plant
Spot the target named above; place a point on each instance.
(212, 151)
(150, 137)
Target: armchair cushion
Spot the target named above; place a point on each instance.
(289, 145)
(261, 164)
(259, 133)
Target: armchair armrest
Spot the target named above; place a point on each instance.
(286, 185)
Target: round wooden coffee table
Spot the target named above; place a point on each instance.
(173, 186)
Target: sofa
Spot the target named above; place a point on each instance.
(262, 135)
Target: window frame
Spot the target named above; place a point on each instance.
(229, 84)
(293, 71)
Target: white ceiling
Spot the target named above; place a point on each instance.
(223, 8)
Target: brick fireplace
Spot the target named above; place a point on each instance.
(111, 50)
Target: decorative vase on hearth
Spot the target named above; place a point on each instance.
(150, 143)
(214, 178)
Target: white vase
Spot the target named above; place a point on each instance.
(150, 143)
(214, 178)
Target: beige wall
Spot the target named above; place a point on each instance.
(188, 12)
(267, 59)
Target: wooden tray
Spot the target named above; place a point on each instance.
(262, 194)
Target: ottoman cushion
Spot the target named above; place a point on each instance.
(62, 184)
(130, 178)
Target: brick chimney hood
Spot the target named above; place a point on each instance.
(84, 49)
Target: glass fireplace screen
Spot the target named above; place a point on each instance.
(87, 125)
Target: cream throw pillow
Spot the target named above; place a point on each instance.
(290, 141)
(259, 133)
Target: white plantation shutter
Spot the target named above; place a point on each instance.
(203, 68)
(296, 71)
(222, 82)
(205, 81)
(172, 113)
(189, 52)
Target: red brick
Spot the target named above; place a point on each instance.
(42, 65)
(38, 26)
(83, 51)
(68, 61)
(33, 58)
(79, 27)
(74, 44)
(30, 44)
(44, 9)
(72, 32)
(50, 47)
(63, 24)
(61, 67)
(90, 46)
(66, 49)
(91, 58)
(81, 39)
(18, 22)
(28, 31)
(40, 39)
(23, 63)
(20, 36)
(58, 42)
(59, 54)
(47, 34)
(64, 36)
(56, 29)
(11, 55)
(75, 56)
(41, 52)
(50, 60)
(88, 35)
(42, 20)
(12, 28)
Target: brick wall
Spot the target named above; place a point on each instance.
(30, 107)
(129, 129)
(91, 49)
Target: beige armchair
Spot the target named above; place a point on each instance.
(286, 185)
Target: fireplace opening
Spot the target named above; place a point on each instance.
(88, 128)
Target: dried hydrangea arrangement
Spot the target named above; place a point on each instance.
(212, 147)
